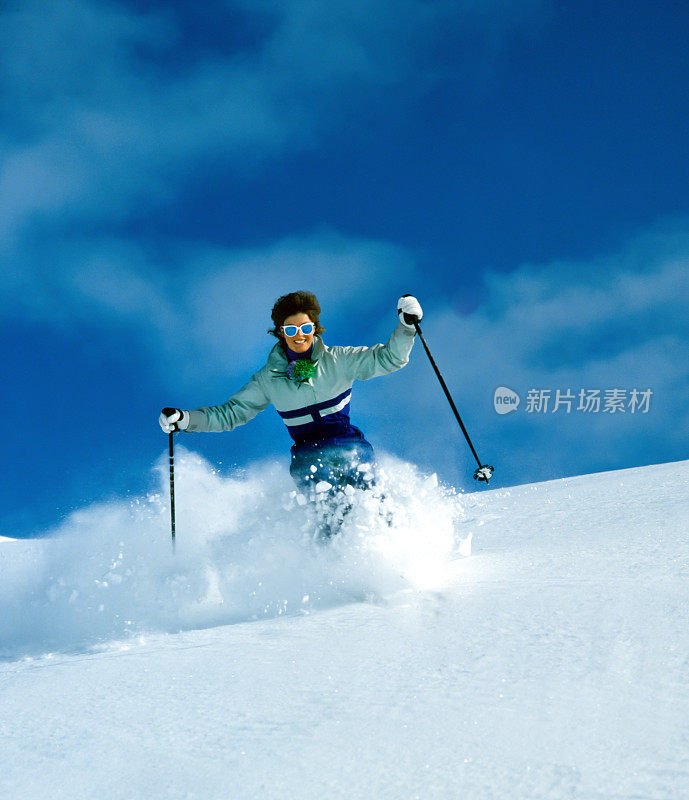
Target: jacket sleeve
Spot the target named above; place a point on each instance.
(362, 363)
(239, 409)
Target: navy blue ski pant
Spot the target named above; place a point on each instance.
(335, 460)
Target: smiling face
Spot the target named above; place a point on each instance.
(301, 342)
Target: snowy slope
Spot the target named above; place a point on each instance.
(552, 663)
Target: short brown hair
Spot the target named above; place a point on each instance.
(295, 303)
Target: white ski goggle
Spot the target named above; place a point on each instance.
(291, 330)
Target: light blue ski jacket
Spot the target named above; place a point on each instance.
(315, 409)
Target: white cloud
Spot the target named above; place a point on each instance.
(618, 321)
(352, 278)
(102, 113)
(209, 309)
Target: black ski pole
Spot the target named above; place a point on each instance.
(172, 491)
(484, 472)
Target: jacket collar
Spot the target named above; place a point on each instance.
(277, 359)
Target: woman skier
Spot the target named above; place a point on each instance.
(310, 385)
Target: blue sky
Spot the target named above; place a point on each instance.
(168, 169)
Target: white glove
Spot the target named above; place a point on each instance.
(409, 306)
(173, 419)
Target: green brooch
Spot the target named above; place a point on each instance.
(301, 370)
